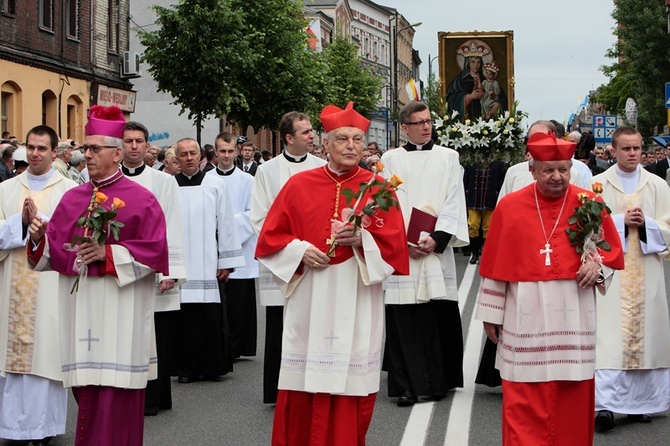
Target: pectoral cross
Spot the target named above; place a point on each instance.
(546, 251)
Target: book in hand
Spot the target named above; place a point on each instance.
(420, 224)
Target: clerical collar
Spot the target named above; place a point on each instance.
(628, 180)
(410, 146)
(225, 173)
(293, 158)
(38, 182)
(132, 171)
(107, 181)
(194, 180)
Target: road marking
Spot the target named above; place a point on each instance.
(458, 427)
(418, 423)
(419, 420)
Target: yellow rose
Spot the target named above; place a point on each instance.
(395, 181)
(511, 120)
(379, 166)
(597, 188)
(582, 196)
(100, 197)
(118, 203)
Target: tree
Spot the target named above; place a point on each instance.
(194, 54)
(347, 79)
(642, 52)
(280, 74)
(432, 95)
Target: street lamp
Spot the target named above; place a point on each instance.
(396, 33)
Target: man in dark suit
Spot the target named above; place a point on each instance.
(660, 167)
(248, 164)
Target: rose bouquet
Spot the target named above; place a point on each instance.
(382, 198)
(585, 231)
(98, 224)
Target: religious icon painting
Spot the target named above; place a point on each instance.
(477, 72)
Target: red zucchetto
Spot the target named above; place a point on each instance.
(105, 121)
(333, 117)
(546, 147)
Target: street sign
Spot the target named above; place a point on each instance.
(604, 127)
(667, 95)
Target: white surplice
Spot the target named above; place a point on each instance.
(33, 403)
(633, 324)
(165, 189)
(549, 328)
(210, 237)
(331, 345)
(119, 349)
(239, 186)
(432, 180)
(270, 178)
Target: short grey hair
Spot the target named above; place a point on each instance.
(77, 158)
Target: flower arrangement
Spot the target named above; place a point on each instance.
(481, 141)
(586, 232)
(383, 198)
(101, 222)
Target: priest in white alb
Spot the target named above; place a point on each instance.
(540, 308)
(333, 314)
(240, 288)
(163, 186)
(199, 338)
(33, 402)
(633, 349)
(295, 130)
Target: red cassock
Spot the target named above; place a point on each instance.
(540, 412)
(308, 202)
(303, 210)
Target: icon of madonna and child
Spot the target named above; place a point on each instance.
(475, 91)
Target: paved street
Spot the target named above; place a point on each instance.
(231, 412)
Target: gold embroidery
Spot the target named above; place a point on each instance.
(633, 291)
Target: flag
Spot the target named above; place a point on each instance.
(412, 91)
(314, 35)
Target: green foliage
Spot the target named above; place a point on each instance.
(642, 54)
(347, 79)
(195, 56)
(280, 74)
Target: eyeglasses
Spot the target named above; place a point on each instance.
(421, 123)
(94, 148)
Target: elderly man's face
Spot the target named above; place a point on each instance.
(188, 157)
(105, 162)
(553, 177)
(344, 146)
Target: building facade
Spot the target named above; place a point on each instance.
(59, 57)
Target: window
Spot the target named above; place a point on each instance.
(113, 26)
(46, 14)
(72, 18)
(8, 6)
(4, 111)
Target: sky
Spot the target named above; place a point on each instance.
(558, 46)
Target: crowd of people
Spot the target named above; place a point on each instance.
(158, 257)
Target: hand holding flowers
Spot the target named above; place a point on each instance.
(585, 231)
(102, 224)
(382, 198)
